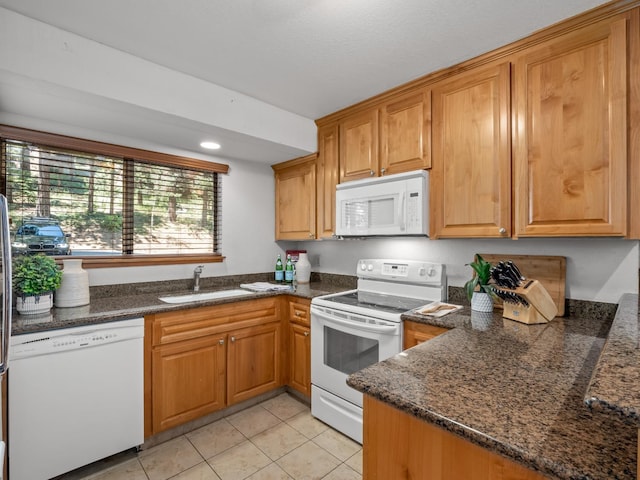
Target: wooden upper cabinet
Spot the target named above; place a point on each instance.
(391, 137)
(634, 124)
(570, 142)
(471, 165)
(327, 173)
(296, 198)
(405, 133)
(359, 146)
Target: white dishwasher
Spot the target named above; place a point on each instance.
(75, 396)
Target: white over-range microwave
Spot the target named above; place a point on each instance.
(392, 205)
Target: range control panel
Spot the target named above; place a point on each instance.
(413, 271)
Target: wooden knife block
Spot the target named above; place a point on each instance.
(541, 307)
(523, 314)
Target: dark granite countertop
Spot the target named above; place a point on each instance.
(615, 384)
(119, 303)
(515, 389)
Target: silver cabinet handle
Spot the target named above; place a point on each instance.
(371, 173)
(233, 339)
(502, 231)
(382, 170)
(221, 341)
(311, 235)
(306, 334)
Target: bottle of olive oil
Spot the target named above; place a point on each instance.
(279, 270)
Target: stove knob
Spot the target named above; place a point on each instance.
(363, 267)
(422, 272)
(431, 272)
(370, 267)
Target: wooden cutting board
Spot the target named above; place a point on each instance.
(550, 271)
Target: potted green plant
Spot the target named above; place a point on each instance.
(478, 289)
(35, 278)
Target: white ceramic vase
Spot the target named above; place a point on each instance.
(303, 268)
(34, 304)
(74, 289)
(481, 302)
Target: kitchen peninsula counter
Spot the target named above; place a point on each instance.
(519, 390)
(119, 304)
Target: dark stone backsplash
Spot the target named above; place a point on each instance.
(573, 308)
(206, 283)
(457, 295)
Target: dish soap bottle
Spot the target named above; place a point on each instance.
(279, 270)
(288, 271)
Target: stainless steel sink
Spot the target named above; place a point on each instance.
(198, 297)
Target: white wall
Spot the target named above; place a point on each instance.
(598, 269)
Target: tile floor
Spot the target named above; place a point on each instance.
(276, 439)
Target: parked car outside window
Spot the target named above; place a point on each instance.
(40, 235)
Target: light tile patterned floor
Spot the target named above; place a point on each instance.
(277, 439)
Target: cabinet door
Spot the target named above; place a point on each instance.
(405, 133)
(327, 173)
(471, 165)
(300, 360)
(570, 125)
(416, 333)
(296, 200)
(188, 381)
(399, 445)
(253, 361)
(359, 146)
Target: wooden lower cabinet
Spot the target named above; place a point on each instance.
(200, 360)
(253, 362)
(188, 381)
(416, 333)
(422, 451)
(300, 358)
(299, 377)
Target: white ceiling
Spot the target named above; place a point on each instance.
(308, 57)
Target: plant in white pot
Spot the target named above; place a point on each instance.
(35, 278)
(479, 292)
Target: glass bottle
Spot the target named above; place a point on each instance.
(288, 270)
(279, 270)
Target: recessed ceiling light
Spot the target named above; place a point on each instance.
(210, 145)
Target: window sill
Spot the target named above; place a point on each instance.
(142, 260)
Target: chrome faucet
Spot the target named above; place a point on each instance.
(196, 277)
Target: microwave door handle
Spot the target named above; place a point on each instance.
(402, 211)
(357, 325)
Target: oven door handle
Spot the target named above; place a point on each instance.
(357, 325)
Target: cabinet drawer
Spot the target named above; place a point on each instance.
(299, 312)
(172, 327)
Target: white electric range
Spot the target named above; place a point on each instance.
(352, 330)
